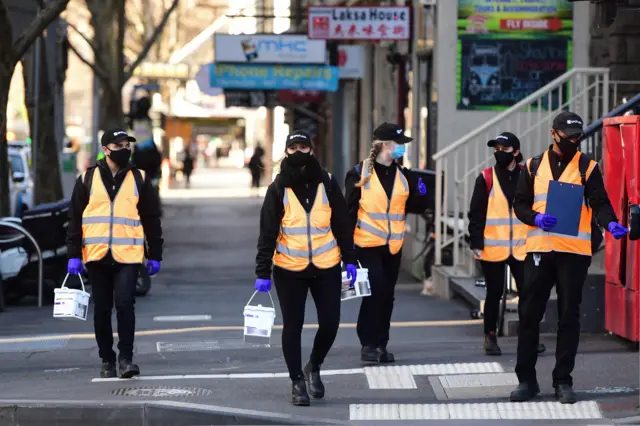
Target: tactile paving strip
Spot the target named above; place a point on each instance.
(34, 346)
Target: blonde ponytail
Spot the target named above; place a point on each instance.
(373, 154)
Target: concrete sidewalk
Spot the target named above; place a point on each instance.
(190, 348)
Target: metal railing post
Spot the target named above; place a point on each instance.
(438, 212)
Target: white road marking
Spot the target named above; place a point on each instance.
(527, 410)
(177, 318)
(62, 370)
(393, 375)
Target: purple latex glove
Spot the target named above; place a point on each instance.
(422, 188)
(352, 273)
(262, 285)
(75, 266)
(546, 222)
(153, 266)
(618, 231)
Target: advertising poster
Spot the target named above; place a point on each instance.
(508, 49)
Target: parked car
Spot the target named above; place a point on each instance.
(21, 183)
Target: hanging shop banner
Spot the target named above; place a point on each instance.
(359, 23)
(274, 77)
(351, 61)
(269, 49)
(508, 49)
(250, 98)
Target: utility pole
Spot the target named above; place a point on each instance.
(266, 26)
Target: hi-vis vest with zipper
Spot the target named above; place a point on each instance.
(113, 224)
(306, 238)
(381, 220)
(539, 241)
(504, 234)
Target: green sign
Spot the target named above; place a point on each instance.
(508, 49)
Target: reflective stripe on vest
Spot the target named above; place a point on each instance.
(306, 238)
(542, 241)
(114, 226)
(381, 220)
(504, 234)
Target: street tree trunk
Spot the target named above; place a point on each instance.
(4, 157)
(48, 181)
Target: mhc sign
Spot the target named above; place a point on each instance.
(269, 49)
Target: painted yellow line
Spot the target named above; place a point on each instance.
(160, 332)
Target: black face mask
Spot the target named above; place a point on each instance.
(299, 158)
(504, 158)
(120, 157)
(566, 146)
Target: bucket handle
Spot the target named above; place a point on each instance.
(254, 295)
(67, 277)
(359, 264)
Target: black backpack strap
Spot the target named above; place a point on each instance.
(138, 175)
(534, 165)
(326, 180)
(88, 179)
(583, 166)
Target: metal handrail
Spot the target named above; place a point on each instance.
(596, 126)
(564, 78)
(26, 233)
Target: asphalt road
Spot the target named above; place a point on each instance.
(190, 345)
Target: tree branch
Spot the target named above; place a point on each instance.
(84, 37)
(35, 28)
(99, 72)
(149, 43)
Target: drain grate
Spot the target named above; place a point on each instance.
(161, 392)
(34, 346)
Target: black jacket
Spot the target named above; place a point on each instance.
(416, 203)
(594, 191)
(148, 209)
(508, 180)
(304, 188)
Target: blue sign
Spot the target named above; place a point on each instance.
(274, 77)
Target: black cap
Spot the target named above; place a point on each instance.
(391, 132)
(115, 136)
(505, 139)
(569, 123)
(299, 136)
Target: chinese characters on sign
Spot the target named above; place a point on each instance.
(359, 23)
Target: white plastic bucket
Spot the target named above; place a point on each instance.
(361, 288)
(69, 302)
(258, 322)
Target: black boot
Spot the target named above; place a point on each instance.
(128, 369)
(566, 394)
(384, 357)
(108, 370)
(368, 355)
(314, 383)
(541, 348)
(524, 392)
(299, 395)
(491, 344)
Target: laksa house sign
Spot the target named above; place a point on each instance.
(359, 23)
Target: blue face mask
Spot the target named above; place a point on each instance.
(398, 152)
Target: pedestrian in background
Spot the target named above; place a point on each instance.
(556, 258)
(305, 233)
(187, 165)
(256, 167)
(379, 195)
(113, 208)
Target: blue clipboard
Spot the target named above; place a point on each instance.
(564, 201)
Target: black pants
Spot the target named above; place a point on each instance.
(292, 292)
(111, 282)
(255, 179)
(374, 320)
(494, 277)
(568, 272)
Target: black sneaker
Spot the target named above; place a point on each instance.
(566, 394)
(368, 355)
(299, 395)
(384, 357)
(491, 344)
(128, 369)
(524, 392)
(108, 370)
(541, 348)
(314, 382)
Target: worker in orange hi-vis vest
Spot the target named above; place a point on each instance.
(114, 210)
(559, 248)
(497, 237)
(380, 193)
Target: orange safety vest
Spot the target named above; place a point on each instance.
(306, 238)
(112, 225)
(538, 240)
(381, 220)
(504, 234)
